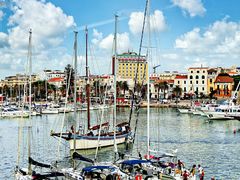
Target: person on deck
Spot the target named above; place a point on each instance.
(193, 170)
(72, 129)
(202, 175)
(185, 175)
(180, 165)
(200, 169)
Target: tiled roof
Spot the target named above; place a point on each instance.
(56, 79)
(181, 77)
(224, 79)
(212, 70)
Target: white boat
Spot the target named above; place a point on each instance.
(224, 112)
(185, 110)
(13, 113)
(50, 111)
(64, 110)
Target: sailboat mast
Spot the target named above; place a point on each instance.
(75, 85)
(115, 86)
(30, 95)
(148, 94)
(87, 81)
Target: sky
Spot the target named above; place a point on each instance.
(184, 33)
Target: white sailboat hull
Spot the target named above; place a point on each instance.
(218, 116)
(50, 111)
(185, 111)
(91, 142)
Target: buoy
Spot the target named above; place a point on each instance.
(234, 131)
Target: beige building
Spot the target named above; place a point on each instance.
(128, 63)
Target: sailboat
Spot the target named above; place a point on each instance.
(29, 173)
(83, 141)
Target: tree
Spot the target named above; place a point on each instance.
(96, 85)
(177, 91)
(119, 87)
(165, 87)
(211, 94)
(125, 87)
(69, 75)
(162, 86)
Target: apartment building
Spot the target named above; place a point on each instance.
(128, 64)
(197, 77)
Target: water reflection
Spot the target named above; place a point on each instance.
(213, 145)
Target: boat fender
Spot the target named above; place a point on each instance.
(138, 177)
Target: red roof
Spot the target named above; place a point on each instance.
(56, 79)
(181, 77)
(224, 79)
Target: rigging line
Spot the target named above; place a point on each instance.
(66, 100)
(99, 131)
(136, 71)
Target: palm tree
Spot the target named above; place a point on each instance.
(69, 74)
(177, 92)
(119, 87)
(52, 88)
(96, 84)
(165, 87)
(161, 86)
(125, 87)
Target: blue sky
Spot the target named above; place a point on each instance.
(184, 33)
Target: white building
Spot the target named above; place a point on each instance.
(197, 77)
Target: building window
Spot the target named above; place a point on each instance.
(202, 82)
(184, 82)
(178, 82)
(197, 76)
(190, 82)
(197, 71)
(203, 77)
(203, 88)
(196, 82)
(203, 71)
(191, 71)
(185, 90)
(191, 77)
(210, 81)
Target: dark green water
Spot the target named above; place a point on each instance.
(213, 145)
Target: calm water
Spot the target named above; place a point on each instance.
(213, 145)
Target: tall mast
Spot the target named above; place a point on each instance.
(30, 94)
(87, 81)
(115, 87)
(75, 85)
(148, 94)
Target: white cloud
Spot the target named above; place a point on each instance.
(220, 37)
(193, 7)
(3, 40)
(123, 42)
(216, 45)
(97, 36)
(157, 21)
(1, 15)
(48, 23)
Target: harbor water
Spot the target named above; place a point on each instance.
(211, 144)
